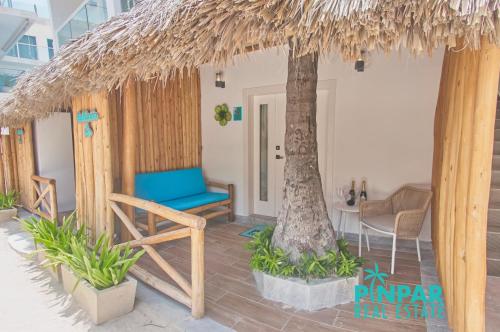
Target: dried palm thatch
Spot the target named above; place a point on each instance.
(158, 37)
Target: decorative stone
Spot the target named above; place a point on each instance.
(313, 295)
(8, 214)
(22, 243)
(101, 305)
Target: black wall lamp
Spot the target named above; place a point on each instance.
(218, 80)
(359, 65)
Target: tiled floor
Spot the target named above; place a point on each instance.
(232, 299)
(492, 304)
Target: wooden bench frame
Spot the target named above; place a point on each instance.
(227, 209)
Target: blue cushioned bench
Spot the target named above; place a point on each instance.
(184, 190)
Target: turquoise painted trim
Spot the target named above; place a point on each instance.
(87, 116)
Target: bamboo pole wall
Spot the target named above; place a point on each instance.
(93, 164)
(463, 151)
(17, 164)
(167, 136)
(168, 123)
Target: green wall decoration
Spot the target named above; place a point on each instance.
(222, 114)
(237, 113)
(87, 116)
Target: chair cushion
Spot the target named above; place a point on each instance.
(169, 185)
(186, 203)
(384, 222)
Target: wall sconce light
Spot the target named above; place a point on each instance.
(359, 65)
(218, 80)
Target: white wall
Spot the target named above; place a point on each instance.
(54, 156)
(42, 31)
(383, 120)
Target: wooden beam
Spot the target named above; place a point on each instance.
(197, 273)
(179, 217)
(159, 238)
(129, 146)
(463, 150)
(160, 285)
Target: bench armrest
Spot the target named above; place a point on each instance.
(229, 187)
(219, 185)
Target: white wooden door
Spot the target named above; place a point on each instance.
(268, 149)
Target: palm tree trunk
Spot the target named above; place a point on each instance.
(303, 225)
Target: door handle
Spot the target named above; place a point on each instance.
(279, 157)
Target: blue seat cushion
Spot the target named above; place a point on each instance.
(186, 203)
(169, 185)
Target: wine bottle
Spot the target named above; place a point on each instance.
(352, 194)
(363, 196)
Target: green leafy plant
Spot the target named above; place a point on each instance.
(222, 114)
(54, 239)
(276, 262)
(8, 200)
(103, 266)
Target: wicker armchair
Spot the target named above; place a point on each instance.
(401, 215)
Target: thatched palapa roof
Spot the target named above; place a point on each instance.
(158, 37)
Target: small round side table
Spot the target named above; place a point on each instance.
(343, 208)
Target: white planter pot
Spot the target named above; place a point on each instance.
(55, 271)
(101, 305)
(8, 214)
(303, 295)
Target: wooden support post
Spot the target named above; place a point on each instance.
(129, 145)
(464, 136)
(230, 189)
(53, 200)
(197, 273)
(151, 224)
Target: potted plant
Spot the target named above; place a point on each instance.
(318, 281)
(97, 278)
(7, 205)
(51, 240)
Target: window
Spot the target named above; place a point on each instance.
(263, 163)
(25, 48)
(127, 5)
(50, 47)
(93, 13)
(13, 51)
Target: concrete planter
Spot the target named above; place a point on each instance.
(8, 214)
(101, 305)
(55, 271)
(303, 295)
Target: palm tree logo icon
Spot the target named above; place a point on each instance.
(375, 275)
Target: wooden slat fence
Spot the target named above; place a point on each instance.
(191, 294)
(17, 163)
(45, 204)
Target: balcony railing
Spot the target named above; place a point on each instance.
(93, 13)
(8, 78)
(27, 5)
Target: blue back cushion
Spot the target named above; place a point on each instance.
(168, 185)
